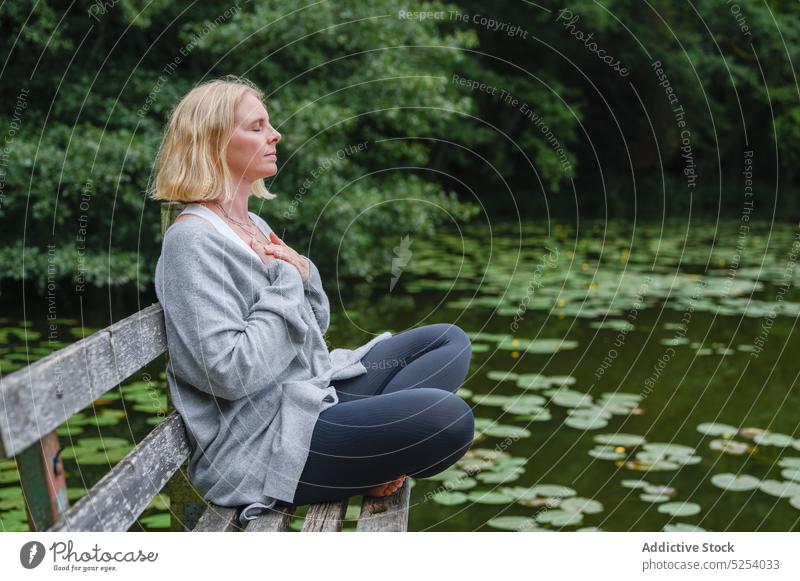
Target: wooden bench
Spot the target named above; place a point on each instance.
(37, 399)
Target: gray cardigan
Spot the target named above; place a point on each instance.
(249, 370)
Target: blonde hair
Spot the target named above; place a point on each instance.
(191, 163)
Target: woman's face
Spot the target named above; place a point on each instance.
(253, 144)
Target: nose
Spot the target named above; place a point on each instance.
(275, 137)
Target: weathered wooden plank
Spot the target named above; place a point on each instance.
(169, 211)
(385, 514)
(43, 483)
(325, 516)
(217, 519)
(272, 521)
(37, 399)
(115, 502)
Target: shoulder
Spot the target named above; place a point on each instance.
(190, 234)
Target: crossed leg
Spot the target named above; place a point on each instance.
(401, 417)
(436, 356)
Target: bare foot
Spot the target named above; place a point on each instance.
(386, 489)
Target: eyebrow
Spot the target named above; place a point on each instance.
(262, 118)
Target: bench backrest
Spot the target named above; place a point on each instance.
(37, 399)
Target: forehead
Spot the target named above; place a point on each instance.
(250, 108)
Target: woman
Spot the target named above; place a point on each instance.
(271, 414)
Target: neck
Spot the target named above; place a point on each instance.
(237, 208)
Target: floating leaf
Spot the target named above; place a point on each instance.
(449, 498)
(732, 447)
(502, 375)
(736, 483)
(680, 527)
(780, 488)
(606, 452)
(500, 477)
(627, 440)
(553, 490)
(515, 523)
(791, 474)
(773, 439)
(533, 381)
(489, 497)
(660, 489)
(654, 497)
(491, 399)
(580, 504)
(714, 429)
(679, 508)
(586, 423)
(635, 483)
(789, 462)
(559, 518)
(506, 431)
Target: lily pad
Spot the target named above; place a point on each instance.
(773, 439)
(714, 429)
(553, 490)
(489, 497)
(580, 504)
(733, 447)
(447, 498)
(506, 431)
(514, 523)
(679, 508)
(791, 474)
(635, 483)
(780, 488)
(586, 423)
(654, 497)
(502, 375)
(789, 462)
(559, 518)
(618, 439)
(680, 527)
(734, 482)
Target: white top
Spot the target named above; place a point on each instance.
(223, 227)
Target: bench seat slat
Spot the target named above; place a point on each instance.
(121, 496)
(37, 399)
(219, 519)
(325, 516)
(386, 514)
(272, 521)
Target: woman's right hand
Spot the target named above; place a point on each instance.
(266, 252)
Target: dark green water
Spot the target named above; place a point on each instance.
(623, 378)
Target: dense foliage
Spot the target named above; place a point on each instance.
(395, 119)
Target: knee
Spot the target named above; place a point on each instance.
(455, 422)
(457, 337)
(456, 334)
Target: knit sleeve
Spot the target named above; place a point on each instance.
(316, 297)
(213, 345)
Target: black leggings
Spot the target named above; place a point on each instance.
(401, 417)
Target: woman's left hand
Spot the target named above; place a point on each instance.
(280, 249)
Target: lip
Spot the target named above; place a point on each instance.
(271, 155)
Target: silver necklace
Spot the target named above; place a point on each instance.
(241, 224)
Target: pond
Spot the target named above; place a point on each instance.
(624, 377)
